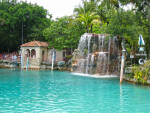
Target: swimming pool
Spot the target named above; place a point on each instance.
(46, 91)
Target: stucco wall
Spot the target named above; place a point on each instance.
(39, 58)
(59, 55)
(45, 54)
(36, 61)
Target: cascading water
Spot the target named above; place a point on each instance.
(109, 44)
(81, 64)
(97, 54)
(102, 63)
(92, 63)
(52, 62)
(101, 41)
(88, 54)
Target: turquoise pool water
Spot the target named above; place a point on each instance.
(57, 92)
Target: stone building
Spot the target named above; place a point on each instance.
(38, 53)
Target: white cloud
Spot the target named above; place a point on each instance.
(57, 8)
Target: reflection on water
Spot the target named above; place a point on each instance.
(52, 73)
(121, 99)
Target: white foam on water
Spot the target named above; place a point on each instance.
(95, 75)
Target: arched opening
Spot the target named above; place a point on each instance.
(43, 56)
(33, 53)
(27, 53)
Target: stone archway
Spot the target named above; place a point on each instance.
(33, 53)
(27, 53)
(43, 56)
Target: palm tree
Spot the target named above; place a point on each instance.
(84, 8)
(85, 14)
(106, 8)
(88, 19)
(102, 12)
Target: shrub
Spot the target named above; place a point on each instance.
(141, 73)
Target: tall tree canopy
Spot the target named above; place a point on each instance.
(21, 19)
(86, 14)
(64, 33)
(32, 22)
(116, 21)
(125, 24)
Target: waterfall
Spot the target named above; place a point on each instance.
(101, 42)
(102, 63)
(81, 64)
(82, 42)
(91, 63)
(109, 45)
(96, 55)
(84, 49)
(88, 55)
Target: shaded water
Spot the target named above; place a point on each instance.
(53, 92)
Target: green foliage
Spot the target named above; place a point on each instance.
(87, 19)
(63, 33)
(116, 21)
(95, 16)
(85, 51)
(17, 16)
(142, 10)
(86, 14)
(141, 73)
(68, 56)
(124, 24)
(147, 64)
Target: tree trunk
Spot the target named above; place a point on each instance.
(87, 28)
(107, 23)
(122, 68)
(122, 61)
(91, 28)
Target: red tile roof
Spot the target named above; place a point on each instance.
(35, 44)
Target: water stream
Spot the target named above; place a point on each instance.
(97, 54)
(52, 61)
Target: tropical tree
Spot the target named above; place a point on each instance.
(143, 7)
(88, 19)
(142, 10)
(21, 20)
(111, 3)
(86, 15)
(86, 6)
(106, 9)
(2, 21)
(125, 25)
(63, 33)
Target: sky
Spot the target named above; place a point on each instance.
(57, 8)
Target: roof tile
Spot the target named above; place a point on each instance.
(35, 44)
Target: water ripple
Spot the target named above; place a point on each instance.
(37, 91)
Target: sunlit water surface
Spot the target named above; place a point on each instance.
(56, 92)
